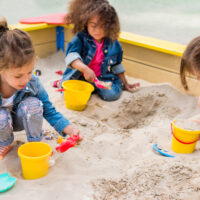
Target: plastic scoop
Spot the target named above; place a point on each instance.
(103, 84)
(161, 151)
(70, 142)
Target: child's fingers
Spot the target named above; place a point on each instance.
(135, 85)
(132, 87)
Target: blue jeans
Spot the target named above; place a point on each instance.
(112, 94)
(28, 117)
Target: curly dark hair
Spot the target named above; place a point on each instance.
(80, 11)
(16, 48)
(190, 61)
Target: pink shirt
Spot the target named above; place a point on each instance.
(96, 62)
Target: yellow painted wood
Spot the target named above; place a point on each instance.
(31, 27)
(152, 43)
(69, 26)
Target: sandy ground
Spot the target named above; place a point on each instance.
(115, 161)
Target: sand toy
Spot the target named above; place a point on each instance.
(103, 84)
(161, 151)
(70, 142)
(6, 182)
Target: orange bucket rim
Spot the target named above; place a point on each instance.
(192, 132)
(33, 158)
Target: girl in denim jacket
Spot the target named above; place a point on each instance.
(95, 52)
(23, 100)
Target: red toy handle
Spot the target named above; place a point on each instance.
(70, 142)
(60, 90)
(59, 72)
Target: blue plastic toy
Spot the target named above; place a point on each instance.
(161, 151)
(6, 182)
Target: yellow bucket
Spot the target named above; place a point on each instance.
(183, 141)
(34, 159)
(76, 94)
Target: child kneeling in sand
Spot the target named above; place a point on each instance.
(95, 52)
(190, 63)
(23, 100)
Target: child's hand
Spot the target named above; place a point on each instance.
(132, 87)
(72, 130)
(89, 74)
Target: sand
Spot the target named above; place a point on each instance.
(115, 161)
(187, 124)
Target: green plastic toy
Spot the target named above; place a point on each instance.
(6, 182)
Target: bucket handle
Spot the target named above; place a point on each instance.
(60, 90)
(179, 139)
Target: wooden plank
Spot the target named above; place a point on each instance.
(150, 57)
(68, 34)
(44, 50)
(157, 75)
(43, 36)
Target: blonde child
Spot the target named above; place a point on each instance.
(95, 52)
(190, 63)
(23, 100)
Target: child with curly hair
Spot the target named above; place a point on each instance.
(95, 52)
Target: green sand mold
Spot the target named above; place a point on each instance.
(6, 182)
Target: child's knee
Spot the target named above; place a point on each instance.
(6, 130)
(31, 106)
(30, 111)
(110, 95)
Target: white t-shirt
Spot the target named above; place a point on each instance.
(8, 102)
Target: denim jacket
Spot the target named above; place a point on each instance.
(83, 47)
(35, 89)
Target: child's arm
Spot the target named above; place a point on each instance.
(88, 74)
(56, 119)
(127, 86)
(118, 70)
(73, 57)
